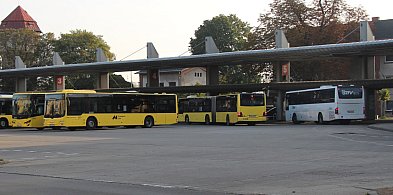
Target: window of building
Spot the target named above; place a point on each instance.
(172, 84)
(389, 59)
(161, 84)
(389, 105)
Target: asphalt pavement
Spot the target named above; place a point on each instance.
(198, 159)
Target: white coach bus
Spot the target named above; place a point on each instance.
(327, 103)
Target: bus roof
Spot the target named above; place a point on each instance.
(4, 96)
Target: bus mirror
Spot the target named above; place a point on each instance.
(286, 107)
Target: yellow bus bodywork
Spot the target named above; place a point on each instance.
(8, 118)
(31, 122)
(195, 117)
(112, 119)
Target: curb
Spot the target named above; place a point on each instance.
(379, 128)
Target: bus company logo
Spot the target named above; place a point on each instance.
(346, 92)
(116, 117)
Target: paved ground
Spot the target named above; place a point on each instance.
(265, 159)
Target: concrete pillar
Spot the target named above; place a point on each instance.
(21, 85)
(153, 74)
(282, 73)
(103, 77)
(59, 80)
(212, 72)
(363, 67)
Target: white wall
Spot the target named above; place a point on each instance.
(192, 76)
(164, 78)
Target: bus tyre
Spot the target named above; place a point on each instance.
(91, 123)
(207, 120)
(320, 118)
(149, 122)
(187, 120)
(227, 121)
(294, 119)
(3, 123)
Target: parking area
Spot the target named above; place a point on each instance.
(265, 159)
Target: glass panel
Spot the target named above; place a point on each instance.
(55, 106)
(252, 100)
(21, 106)
(350, 93)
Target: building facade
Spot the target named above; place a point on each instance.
(177, 77)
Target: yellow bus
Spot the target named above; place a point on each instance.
(249, 108)
(28, 110)
(5, 111)
(91, 109)
(195, 109)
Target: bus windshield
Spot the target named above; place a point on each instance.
(22, 106)
(252, 100)
(350, 93)
(55, 106)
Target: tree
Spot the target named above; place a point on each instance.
(383, 96)
(230, 34)
(79, 46)
(319, 22)
(117, 81)
(35, 50)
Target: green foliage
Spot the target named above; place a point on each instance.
(384, 94)
(230, 34)
(117, 81)
(34, 49)
(79, 46)
(318, 22)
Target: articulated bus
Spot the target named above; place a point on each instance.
(28, 110)
(249, 108)
(327, 103)
(5, 110)
(195, 109)
(90, 109)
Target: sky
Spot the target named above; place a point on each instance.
(169, 24)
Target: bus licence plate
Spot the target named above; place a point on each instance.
(351, 111)
(252, 116)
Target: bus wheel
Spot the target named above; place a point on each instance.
(227, 121)
(320, 118)
(40, 128)
(91, 123)
(207, 120)
(3, 123)
(294, 119)
(149, 122)
(187, 120)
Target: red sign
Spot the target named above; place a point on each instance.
(284, 70)
(59, 80)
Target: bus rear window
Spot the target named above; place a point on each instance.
(350, 93)
(252, 100)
